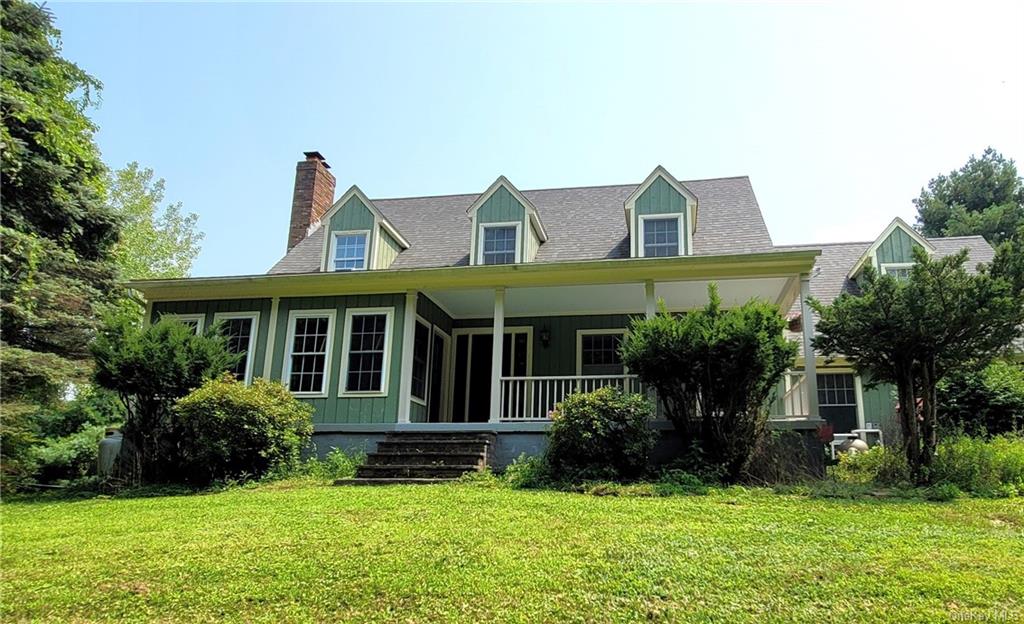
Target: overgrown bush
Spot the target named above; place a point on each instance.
(784, 457)
(714, 370)
(598, 435)
(337, 464)
(528, 472)
(983, 402)
(980, 466)
(233, 431)
(149, 368)
(68, 457)
(983, 467)
(879, 465)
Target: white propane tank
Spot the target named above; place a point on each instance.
(110, 447)
(854, 446)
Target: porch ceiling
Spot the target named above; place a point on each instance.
(627, 298)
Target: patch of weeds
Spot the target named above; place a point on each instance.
(943, 492)
(481, 478)
(679, 482)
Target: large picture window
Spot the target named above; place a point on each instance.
(661, 237)
(349, 251)
(309, 344)
(239, 331)
(367, 345)
(499, 244)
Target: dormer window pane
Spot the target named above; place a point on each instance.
(350, 252)
(499, 245)
(661, 237)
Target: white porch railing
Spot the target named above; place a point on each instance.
(794, 399)
(533, 398)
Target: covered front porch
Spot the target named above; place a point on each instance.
(502, 357)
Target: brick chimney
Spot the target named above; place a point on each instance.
(314, 194)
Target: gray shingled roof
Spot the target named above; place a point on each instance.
(582, 224)
(829, 280)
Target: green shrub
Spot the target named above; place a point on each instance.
(337, 464)
(980, 466)
(982, 402)
(528, 472)
(600, 435)
(149, 368)
(943, 492)
(69, 457)
(879, 465)
(481, 478)
(674, 482)
(727, 361)
(233, 431)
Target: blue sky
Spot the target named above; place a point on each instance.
(839, 113)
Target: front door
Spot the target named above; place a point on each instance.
(472, 386)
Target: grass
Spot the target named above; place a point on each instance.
(302, 552)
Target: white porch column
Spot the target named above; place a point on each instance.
(408, 338)
(651, 304)
(496, 353)
(810, 366)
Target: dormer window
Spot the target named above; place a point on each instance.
(660, 236)
(899, 270)
(500, 244)
(349, 251)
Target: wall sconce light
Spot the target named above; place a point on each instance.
(545, 336)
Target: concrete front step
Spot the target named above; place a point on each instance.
(444, 458)
(429, 471)
(391, 481)
(415, 447)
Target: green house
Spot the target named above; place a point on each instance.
(480, 312)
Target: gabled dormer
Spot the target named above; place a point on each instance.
(357, 236)
(661, 217)
(892, 252)
(506, 226)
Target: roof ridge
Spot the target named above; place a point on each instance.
(825, 244)
(553, 188)
(931, 238)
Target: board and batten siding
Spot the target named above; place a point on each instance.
(353, 215)
(211, 308)
(387, 251)
(501, 207)
(661, 198)
(333, 409)
(896, 249)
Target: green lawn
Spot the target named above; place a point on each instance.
(302, 552)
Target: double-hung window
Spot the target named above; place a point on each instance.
(499, 244)
(901, 271)
(192, 321)
(309, 348)
(350, 251)
(837, 400)
(239, 331)
(661, 237)
(367, 346)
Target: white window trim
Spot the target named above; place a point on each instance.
(678, 216)
(286, 368)
(856, 396)
(250, 349)
(426, 381)
(886, 267)
(519, 240)
(200, 319)
(334, 250)
(580, 333)
(389, 313)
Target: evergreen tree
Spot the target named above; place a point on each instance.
(57, 232)
(985, 196)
